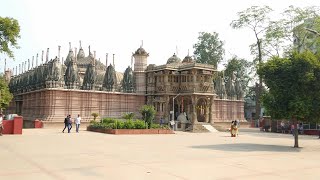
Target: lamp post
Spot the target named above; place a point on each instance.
(172, 123)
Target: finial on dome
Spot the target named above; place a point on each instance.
(37, 60)
(47, 55)
(141, 43)
(89, 50)
(107, 59)
(59, 47)
(188, 52)
(41, 56)
(94, 58)
(113, 60)
(70, 46)
(80, 44)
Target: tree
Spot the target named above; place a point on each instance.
(9, 33)
(241, 68)
(255, 18)
(209, 49)
(294, 88)
(148, 113)
(291, 32)
(5, 95)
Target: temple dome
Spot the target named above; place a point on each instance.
(141, 51)
(188, 59)
(81, 54)
(174, 59)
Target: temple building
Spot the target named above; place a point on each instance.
(186, 91)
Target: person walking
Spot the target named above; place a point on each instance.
(66, 124)
(69, 123)
(77, 122)
(1, 126)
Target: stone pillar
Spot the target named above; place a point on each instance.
(211, 112)
(207, 113)
(194, 110)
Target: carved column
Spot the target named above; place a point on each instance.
(207, 113)
(194, 110)
(211, 110)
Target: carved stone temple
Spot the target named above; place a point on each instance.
(82, 85)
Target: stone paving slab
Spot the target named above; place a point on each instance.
(49, 154)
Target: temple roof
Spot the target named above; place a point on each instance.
(174, 59)
(141, 51)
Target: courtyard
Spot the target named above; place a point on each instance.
(49, 154)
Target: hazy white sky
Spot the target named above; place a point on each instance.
(118, 26)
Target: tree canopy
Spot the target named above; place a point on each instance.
(9, 34)
(294, 87)
(5, 95)
(209, 48)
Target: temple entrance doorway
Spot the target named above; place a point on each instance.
(202, 110)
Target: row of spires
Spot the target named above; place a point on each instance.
(23, 66)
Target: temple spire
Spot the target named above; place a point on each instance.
(25, 66)
(113, 61)
(59, 47)
(22, 67)
(80, 44)
(19, 68)
(70, 46)
(89, 50)
(106, 59)
(28, 64)
(37, 60)
(47, 55)
(42, 56)
(32, 62)
(94, 58)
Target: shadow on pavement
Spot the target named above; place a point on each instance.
(248, 147)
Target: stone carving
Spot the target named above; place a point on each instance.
(220, 86)
(128, 81)
(238, 88)
(230, 88)
(89, 77)
(71, 75)
(109, 78)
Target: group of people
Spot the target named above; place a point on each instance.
(68, 123)
(285, 126)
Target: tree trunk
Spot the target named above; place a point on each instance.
(296, 142)
(259, 86)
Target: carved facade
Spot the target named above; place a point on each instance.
(82, 85)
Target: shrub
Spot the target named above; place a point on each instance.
(128, 116)
(108, 120)
(129, 124)
(148, 112)
(95, 115)
(119, 124)
(139, 124)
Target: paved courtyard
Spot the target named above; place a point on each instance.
(47, 154)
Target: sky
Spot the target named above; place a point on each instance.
(120, 26)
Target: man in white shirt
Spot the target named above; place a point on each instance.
(1, 126)
(77, 122)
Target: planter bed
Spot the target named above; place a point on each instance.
(132, 131)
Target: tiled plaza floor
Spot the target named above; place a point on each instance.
(48, 154)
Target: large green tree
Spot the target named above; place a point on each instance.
(5, 95)
(257, 20)
(9, 34)
(209, 48)
(294, 88)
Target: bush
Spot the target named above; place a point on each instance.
(108, 120)
(139, 124)
(119, 124)
(129, 124)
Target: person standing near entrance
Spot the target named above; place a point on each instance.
(77, 122)
(1, 126)
(69, 123)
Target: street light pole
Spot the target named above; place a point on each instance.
(173, 110)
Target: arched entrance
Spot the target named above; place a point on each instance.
(202, 110)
